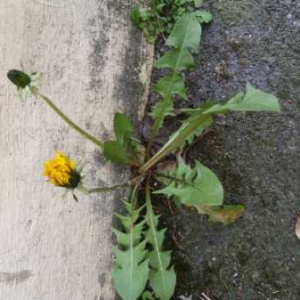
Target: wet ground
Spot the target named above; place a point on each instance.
(256, 156)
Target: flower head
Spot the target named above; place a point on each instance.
(61, 171)
(27, 83)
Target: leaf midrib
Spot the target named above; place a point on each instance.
(182, 46)
(131, 260)
(152, 226)
(167, 98)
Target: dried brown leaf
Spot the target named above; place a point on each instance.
(225, 214)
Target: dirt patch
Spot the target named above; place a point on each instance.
(256, 156)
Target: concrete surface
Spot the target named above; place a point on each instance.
(94, 62)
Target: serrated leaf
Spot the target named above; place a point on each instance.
(177, 139)
(130, 280)
(194, 134)
(170, 60)
(127, 221)
(162, 278)
(252, 100)
(123, 128)
(194, 186)
(164, 259)
(163, 283)
(115, 152)
(134, 236)
(162, 108)
(186, 33)
(190, 138)
(156, 239)
(185, 37)
(225, 214)
(138, 254)
(127, 144)
(167, 87)
(171, 85)
(131, 269)
(255, 100)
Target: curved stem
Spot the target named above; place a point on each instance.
(134, 181)
(104, 189)
(70, 122)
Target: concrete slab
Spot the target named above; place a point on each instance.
(94, 64)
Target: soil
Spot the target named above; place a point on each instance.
(256, 156)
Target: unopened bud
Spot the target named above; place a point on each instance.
(19, 78)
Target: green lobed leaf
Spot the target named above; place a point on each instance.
(130, 280)
(127, 148)
(167, 87)
(123, 128)
(135, 234)
(194, 134)
(162, 108)
(131, 269)
(162, 277)
(186, 33)
(185, 37)
(176, 140)
(115, 152)
(163, 283)
(171, 85)
(171, 60)
(252, 100)
(163, 260)
(190, 138)
(194, 186)
(126, 221)
(138, 254)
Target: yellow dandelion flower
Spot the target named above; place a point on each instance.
(61, 171)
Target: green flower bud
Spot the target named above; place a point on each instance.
(19, 78)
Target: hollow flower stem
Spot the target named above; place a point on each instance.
(104, 189)
(70, 122)
(134, 181)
